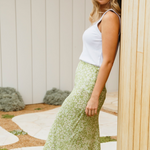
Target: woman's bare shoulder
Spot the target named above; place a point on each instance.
(111, 22)
(111, 17)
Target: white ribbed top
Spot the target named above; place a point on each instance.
(92, 43)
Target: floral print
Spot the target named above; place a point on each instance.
(72, 129)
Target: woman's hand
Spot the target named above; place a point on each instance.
(92, 105)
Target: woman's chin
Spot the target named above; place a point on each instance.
(101, 2)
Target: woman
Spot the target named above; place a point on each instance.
(76, 124)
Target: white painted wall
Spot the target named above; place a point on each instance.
(40, 45)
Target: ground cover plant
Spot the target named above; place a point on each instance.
(18, 132)
(37, 108)
(7, 116)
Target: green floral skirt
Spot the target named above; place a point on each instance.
(72, 129)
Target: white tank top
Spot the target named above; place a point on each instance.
(92, 43)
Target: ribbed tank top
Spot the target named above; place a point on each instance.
(92, 43)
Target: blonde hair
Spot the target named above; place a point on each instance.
(97, 13)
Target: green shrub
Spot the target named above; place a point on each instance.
(10, 100)
(55, 96)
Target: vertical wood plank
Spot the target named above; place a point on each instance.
(125, 76)
(24, 49)
(148, 48)
(133, 37)
(141, 25)
(139, 70)
(126, 79)
(134, 98)
(8, 43)
(52, 43)
(78, 29)
(38, 50)
(66, 45)
(138, 101)
(147, 44)
(145, 86)
(120, 93)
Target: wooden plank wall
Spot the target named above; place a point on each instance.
(134, 77)
(40, 43)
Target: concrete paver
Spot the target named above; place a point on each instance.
(104, 146)
(7, 138)
(30, 148)
(111, 102)
(39, 126)
(109, 146)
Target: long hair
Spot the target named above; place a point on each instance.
(97, 13)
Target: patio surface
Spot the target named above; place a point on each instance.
(104, 146)
(6, 137)
(38, 124)
(111, 102)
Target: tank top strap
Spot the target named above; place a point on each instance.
(105, 13)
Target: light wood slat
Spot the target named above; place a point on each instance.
(138, 89)
(23, 14)
(126, 61)
(141, 25)
(145, 85)
(133, 38)
(134, 128)
(124, 52)
(148, 48)
(133, 69)
(138, 85)
(121, 76)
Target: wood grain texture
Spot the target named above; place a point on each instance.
(134, 77)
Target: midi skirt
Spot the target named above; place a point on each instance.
(72, 129)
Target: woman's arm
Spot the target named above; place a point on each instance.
(110, 30)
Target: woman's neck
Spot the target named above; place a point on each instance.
(104, 7)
